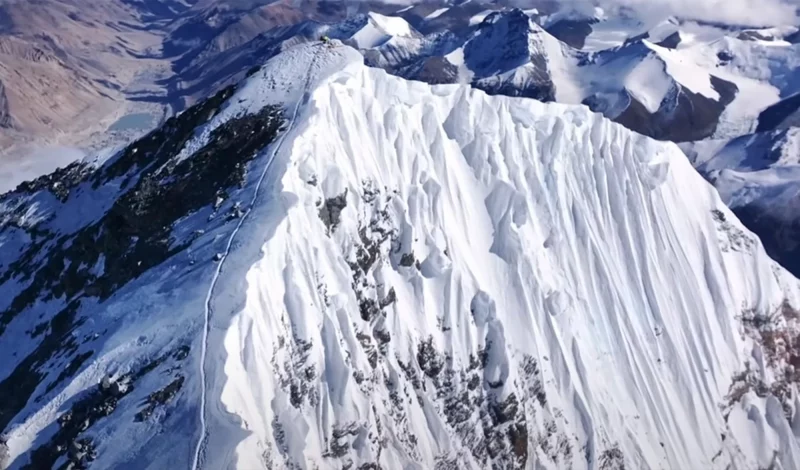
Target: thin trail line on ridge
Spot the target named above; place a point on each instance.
(199, 449)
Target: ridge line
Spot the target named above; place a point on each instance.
(201, 442)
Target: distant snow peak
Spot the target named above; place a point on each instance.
(392, 25)
(501, 43)
(371, 30)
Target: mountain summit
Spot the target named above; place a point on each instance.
(328, 266)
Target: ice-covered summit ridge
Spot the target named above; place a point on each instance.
(430, 277)
(287, 95)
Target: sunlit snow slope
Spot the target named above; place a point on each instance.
(433, 278)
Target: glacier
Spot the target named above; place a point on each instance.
(431, 277)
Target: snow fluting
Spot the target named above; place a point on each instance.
(431, 277)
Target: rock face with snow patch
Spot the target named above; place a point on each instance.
(415, 277)
(572, 32)
(784, 114)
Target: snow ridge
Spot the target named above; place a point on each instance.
(201, 441)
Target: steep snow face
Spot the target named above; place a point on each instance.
(451, 277)
(405, 275)
(764, 72)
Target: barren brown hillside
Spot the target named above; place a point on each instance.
(63, 64)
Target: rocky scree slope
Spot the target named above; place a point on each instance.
(330, 267)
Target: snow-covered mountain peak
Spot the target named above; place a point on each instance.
(331, 266)
(381, 213)
(501, 43)
(369, 30)
(508, 25)
(510, 54)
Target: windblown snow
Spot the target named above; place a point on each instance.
(431, 277)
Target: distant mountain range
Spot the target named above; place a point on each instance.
(674, 80)
(671, 79)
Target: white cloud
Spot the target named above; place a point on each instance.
(36, 161)
(741, 12)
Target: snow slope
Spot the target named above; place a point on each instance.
(430, 277)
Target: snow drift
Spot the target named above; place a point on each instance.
(430, 277)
